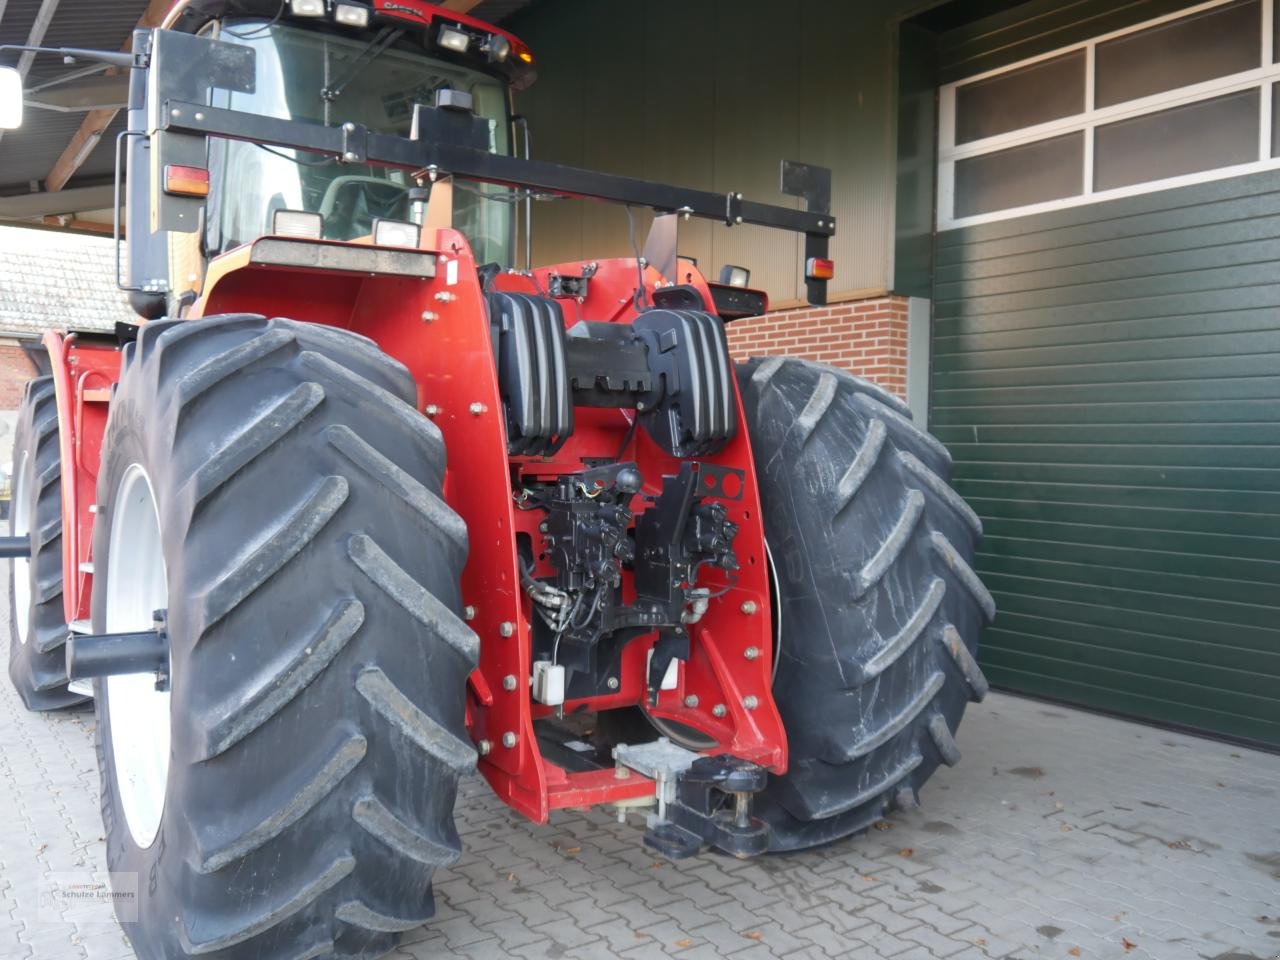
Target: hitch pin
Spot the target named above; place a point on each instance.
(741, 809)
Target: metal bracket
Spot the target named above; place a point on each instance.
(713, 477)
(732, 208)
(712, 807)
(812, 184)
(355, 142)
(563, 285)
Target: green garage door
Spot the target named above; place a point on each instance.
(1108, 380)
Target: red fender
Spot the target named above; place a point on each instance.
(84, 373)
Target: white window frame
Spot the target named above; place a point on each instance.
(1090, 118)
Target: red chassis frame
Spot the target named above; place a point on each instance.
(84, 372)
(439, 328)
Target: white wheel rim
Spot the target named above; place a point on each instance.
(21, 565)
(776, 610)
(137, 586)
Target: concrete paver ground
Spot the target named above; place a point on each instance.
(1060, 834)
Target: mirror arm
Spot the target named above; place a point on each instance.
(114, 58)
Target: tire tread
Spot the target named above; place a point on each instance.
(876, 543)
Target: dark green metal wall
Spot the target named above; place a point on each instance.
(1107, 377)
(1038, 26)
(1108, 380)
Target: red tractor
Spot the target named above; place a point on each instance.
(451, 515)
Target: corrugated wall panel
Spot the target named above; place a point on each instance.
(713, 95)
(1035, 27)
(1108, 380)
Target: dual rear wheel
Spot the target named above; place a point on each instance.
(37, 625)
(880, 609)
(270, 488)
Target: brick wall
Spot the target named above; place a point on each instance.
(16, 369)
(865, 337)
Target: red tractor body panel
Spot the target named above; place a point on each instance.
(428, 308)
(439, 328)
(83, 374)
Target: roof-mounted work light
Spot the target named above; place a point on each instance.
(351, 15)
(306, 8)
(297, 223)
(395, 233)
(455, 40)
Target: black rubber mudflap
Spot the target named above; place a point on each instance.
(319, 663)
(38, 666)
(880, 607)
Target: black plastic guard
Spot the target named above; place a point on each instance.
(528, 335)
(691, 411)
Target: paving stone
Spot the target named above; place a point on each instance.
(1059, 830)
(618, 935)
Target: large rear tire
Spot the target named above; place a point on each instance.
(270, 485)
(37, 624)
(880, 610)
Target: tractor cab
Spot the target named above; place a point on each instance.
(334, 64)
(374, 76)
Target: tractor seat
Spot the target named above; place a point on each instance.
(352, 203)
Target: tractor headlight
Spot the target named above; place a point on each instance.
(350, 15)
(306, 8)
(395, 233)
(734, 276)
(297, 223)
(455, 40)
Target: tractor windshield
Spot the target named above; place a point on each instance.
(318, 77)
